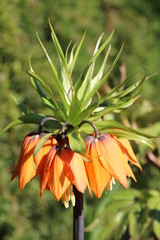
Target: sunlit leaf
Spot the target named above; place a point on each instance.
(156, 226)
(55, 74)
(32, 118)
(25, 119)
(20, 105)
(113, 127)
(84, 114)
(73, 58)
(41, 87)
(75, 109)
(76, 142)
(100, 83)
(84, 89)
(117, 106)
(92, 60)
(133, 89)
(99, 75)
(41, 143)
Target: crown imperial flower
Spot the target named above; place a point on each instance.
(25, 166)
(59, 157)
(109, 159)
(62, 168)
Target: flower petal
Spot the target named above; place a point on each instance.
(99, 178)
(27, 170)
(41, 156)
(47, 166)
(109, 150)
(58, 182)
(20, 161)
(75, 169)
(128, 152)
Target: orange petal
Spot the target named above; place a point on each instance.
(58, 182)
(128, 152)
(88, 142)
(109, 151)
(127, 167)
(47, 167)
(75, 169)
(27, 171)
(20, 161)
(98, 176)
(41, 156)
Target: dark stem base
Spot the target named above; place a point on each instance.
(78, 216)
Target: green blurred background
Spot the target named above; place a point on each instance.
(120, 214)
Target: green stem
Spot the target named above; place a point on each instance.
(78, 216)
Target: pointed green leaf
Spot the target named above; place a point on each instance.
(25, 119)
(55, 74)
(116, 106)
(76, 142)
(58, 113)
(75, 109)
(41, 143)
(20, 105)
(113, 127)
(100, 50)
(58, 48)
(85, 86)
(156, 227)
(99, 84)
(79, 82)
(32, 118)
(67, 50)
(73, 59)
(49, 101)
(132, 90)
(43, 84)
(86, 112)
(99, 75)
(112, 93)
(67, 85)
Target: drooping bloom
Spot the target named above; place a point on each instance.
(64, 167)
(25, 166)
(97, 174)
(109, 159)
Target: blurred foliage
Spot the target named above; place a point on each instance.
(121, 214)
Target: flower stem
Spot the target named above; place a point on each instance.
(46, 119)
(92, 124)
(78, 216)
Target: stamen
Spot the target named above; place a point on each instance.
(68, 196)
(73, 200)
(111, 186)
(66, 204)
(113, 181)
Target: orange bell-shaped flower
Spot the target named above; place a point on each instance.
(64, 167)
(109, 159)
(98, 177)
(25, 166)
